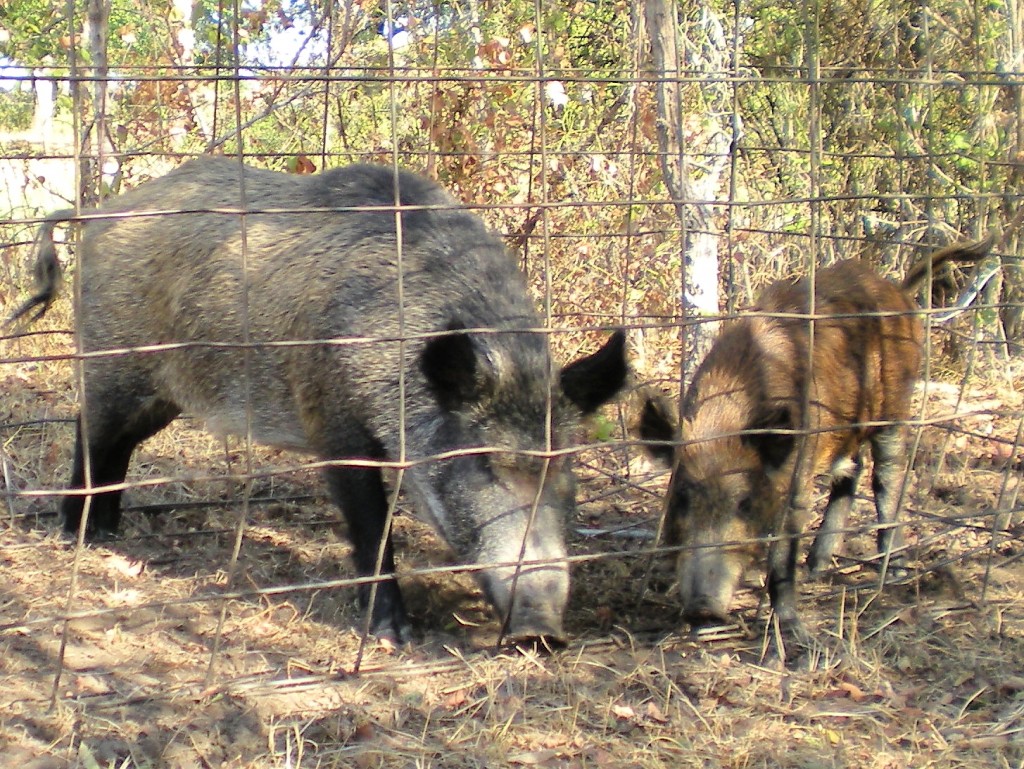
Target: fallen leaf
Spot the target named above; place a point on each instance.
(1011, 684)
(455, 699)
(654, 713)
(127, 567)
(556, 741)
(623, 711)
(90, 685)
(988, 741)
(962, 677)
(598, 757)
(363, 733)
(853, 691)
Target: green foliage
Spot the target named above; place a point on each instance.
(35, 31)
(893, 138)
(914, 123)
(16, 109)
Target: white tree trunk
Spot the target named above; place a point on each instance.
(692, 187)
(42, 116)
(97, 26)
(185, 36)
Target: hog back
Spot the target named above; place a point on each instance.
(867, 355)
(312, 314)
(312, 272)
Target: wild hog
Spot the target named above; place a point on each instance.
(735, 478)
(291, 321)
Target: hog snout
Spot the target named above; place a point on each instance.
(533, 603)
(704, 610)
(708, 577)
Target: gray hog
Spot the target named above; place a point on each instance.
(735, 479)
(321, 263)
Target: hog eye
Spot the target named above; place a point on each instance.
(744, 507)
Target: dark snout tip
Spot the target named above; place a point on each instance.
(702, 614)
(536, 644)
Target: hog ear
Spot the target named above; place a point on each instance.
(454, 368)
(658, 426)
(773, 447)
(594, 380)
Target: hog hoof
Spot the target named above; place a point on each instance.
(816, 569)
(389, 623)
(391, 635)
(794, 647)
(395, 630)
(897, 570)
(789, 644)
(92, 536)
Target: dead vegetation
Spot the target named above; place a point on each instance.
(168, 662)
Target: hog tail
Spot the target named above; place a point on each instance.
(958, 252)
(48, 273)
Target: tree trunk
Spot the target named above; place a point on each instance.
(1011, 313)
(92, 160)
(46, 102)
(692, 190)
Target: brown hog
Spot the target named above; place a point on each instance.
(735, 479)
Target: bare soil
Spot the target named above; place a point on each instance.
(157, 650)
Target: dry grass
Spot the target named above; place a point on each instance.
(926, 673)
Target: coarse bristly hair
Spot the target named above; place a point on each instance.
(759, 396)
(359, 313)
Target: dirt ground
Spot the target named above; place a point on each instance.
(154, 651)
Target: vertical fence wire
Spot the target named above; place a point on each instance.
(82, 427)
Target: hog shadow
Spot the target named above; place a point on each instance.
(102, 687)
(293, 535)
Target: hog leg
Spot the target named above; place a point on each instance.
(359, 492)
(782, 553)
(115, 429)
(840, 502)
(889, 472)
(782, 561)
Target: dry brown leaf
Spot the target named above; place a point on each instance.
(90, 685)
(558, 741)
(363, 733)
(852, 691)
(369, 760)
(987, 741)
(598, 757)
(126, 567)
(836, 708)
(654, 713)
(604, 615)
(455, 699)
(963, 677)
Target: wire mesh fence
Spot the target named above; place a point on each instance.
(647, 167)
